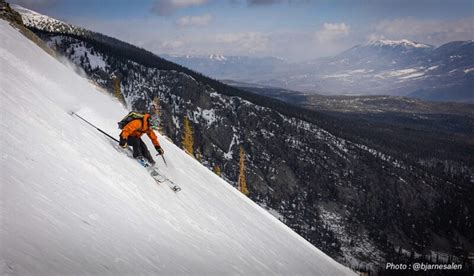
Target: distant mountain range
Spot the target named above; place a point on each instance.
(231, 67)
(362, 104)
(384, 67)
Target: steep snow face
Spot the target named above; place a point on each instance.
(72, 204)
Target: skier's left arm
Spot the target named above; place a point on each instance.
(154, 139)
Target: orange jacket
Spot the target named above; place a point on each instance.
(136, 129)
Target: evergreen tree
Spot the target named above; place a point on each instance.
(242, 184)
(187, 138)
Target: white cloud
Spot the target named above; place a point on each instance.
(375, 37)
(188, 21)
(171, 45)
(229, 37)
(262, 2)
(336, 27)
(332, 31)
(168, 7)
(272, 2)
(197, 43)
(243, 42)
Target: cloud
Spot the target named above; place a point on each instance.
(190, 21)
(332, 31)
(168, 7)
(336, 27)
(242, 42)
(196, 43)
(171, 45)
(271, 2)
(261, 2)
(375, 37)
(432, 31)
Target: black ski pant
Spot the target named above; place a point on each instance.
(139, 148)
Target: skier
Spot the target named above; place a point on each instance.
(131, 133)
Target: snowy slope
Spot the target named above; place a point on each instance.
(72, 204)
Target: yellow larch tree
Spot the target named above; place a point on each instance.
(187, 138)
(217, 170)
(242, 184)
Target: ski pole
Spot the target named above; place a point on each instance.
(100, 130)
(164, 160)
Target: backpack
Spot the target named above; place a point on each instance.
(130, 117)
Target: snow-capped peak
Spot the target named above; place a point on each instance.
(217, 57)
(31, 18)
(43, 22)
(30, 13)
(403, 42)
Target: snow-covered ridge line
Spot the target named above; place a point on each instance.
(43, 22)
(402, 42)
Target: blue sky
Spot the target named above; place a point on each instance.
(292, 29)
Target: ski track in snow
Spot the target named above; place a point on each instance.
(72, 204)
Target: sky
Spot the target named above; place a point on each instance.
(295, 30)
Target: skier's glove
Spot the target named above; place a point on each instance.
(159, 150)
(123, 142)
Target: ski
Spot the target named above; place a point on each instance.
(157, 176)
(152, 170)
(163, 179)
